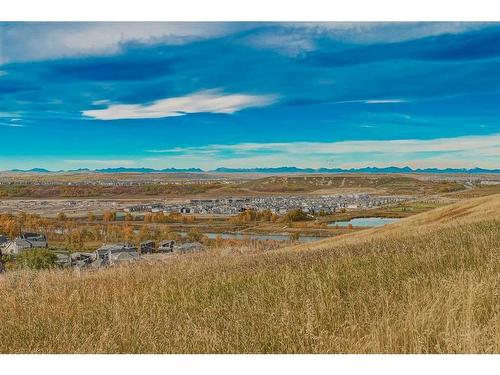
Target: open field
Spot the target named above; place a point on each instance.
(387, 184)
(479, 191)
(427, 284)
(89, 185)
(86, 191)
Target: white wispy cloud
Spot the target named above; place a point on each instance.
(483, 144)
(467, 151)
(374, 101)
(11, 125)
(389, 32)
(283, 41)
(46, 40)
(294, 38)
(101, 162)
(9, 114)
(213, 101)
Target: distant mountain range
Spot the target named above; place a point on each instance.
(276, 170)
(148, 170)
(34, 170)
(354, 170)
(110, 170)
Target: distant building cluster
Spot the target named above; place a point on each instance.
(108, 180)
(112, 254)
(25, 241)
(106, 255)
(276, 204)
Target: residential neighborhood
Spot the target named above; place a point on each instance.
(106, 255)
(276, 204)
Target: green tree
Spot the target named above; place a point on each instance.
(296, 215)
(37, 259)
(194, 235)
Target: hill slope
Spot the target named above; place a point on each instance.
(463, 212)
(426, 285)
(385, 183)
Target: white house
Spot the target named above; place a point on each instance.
(24, 242)
(15, 247)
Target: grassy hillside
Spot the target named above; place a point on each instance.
(389, 184)
(94, 191)
(456, 215)
(57, 186)
(428, 284)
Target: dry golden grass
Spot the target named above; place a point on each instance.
(463, 212)
(478, 191)
(429, 284)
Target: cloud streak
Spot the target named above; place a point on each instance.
(101, 163)
(374, 101)
(11, 125)
(209, 101)
(487, 144)
(40, 41)
(468, 151)
(389, 32)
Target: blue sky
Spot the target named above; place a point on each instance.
(214, 94)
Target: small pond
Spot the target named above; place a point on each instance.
(365, 222)
(276, 237)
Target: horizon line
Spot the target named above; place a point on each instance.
(290, 169)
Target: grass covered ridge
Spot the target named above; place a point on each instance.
(429, 284)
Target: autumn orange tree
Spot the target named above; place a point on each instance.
(249, 216)
(128, 233)
(109, 216)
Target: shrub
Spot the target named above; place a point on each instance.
(61, 217)
(37, 259)
(296, 215)
(109, 216)
(194, 235)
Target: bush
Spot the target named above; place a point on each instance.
(7, 262)
(37, 259)
(109, 216)
(194, 235)
(296, 215)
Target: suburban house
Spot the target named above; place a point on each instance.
(3, 240)
(25, 241)
(147, 247)
(166, 246)
(35, 239)
(116, 253)
(190, 247)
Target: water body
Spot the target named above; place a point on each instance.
(365, 222)
(263, 237)
(275, 237)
